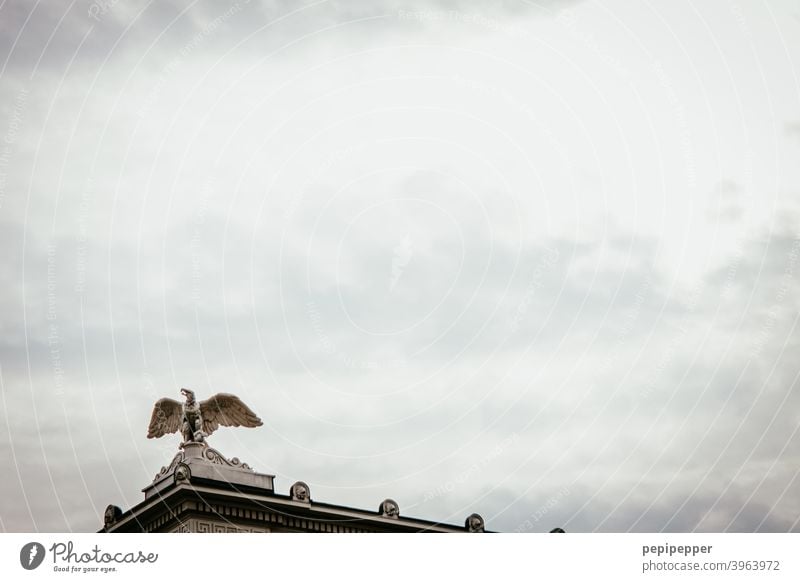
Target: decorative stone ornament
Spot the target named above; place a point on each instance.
(300, 492)
(112, 514)
(198, 460)
(389, 508)
(182, 472)
(474, 524)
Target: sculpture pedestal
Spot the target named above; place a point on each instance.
(198, 463)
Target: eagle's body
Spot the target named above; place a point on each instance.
(196, 420)
(192, 420)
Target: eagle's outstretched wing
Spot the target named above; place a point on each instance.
(226, 410)
(166, 418)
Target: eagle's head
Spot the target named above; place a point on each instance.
(188, 394)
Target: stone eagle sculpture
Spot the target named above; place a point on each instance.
(197, 420)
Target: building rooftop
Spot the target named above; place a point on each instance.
(203, 491)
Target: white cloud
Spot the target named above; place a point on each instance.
(546, 265)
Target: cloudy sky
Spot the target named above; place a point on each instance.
(537, 260)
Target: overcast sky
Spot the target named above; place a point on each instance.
(535, 260)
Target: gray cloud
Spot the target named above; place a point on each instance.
(420, 304)
(792, 128)
(42, 38)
